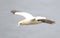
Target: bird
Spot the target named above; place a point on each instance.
(30, 20)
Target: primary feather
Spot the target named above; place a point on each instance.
(24, 14)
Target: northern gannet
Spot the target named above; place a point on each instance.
(29, 19)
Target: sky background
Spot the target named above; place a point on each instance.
(47, 8)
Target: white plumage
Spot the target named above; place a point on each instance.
(25, 14)
(29, 19)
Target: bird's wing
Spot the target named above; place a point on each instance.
(40, 17)
(24, 14)
(46, 21)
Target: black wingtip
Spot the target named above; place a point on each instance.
(46, 21)
(50, 22)
(14, 11)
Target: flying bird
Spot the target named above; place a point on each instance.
(29, 19)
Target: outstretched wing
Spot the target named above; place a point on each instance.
(46, 21)
(24, 14)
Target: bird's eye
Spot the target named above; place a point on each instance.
(20, 23)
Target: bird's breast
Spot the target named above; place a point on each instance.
(28, 22)
(25, 22)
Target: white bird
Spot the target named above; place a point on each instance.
(29, 19)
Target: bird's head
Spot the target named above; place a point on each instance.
(20, 23)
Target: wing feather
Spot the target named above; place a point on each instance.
(46, 21)
(24, 14)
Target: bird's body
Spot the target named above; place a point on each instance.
(29, 19)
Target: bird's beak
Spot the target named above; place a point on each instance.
(19, 24)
